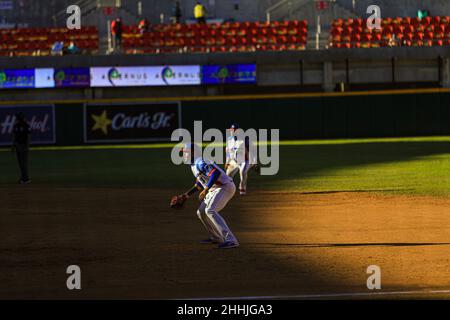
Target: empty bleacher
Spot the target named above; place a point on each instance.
(399, 31)
(214, 37)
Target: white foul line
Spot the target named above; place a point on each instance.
(325, 295)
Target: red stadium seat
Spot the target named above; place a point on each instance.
(387, 35)
(348, 22)
(415, 22)
(399, 29)
(357, 29)
(436, 20)
(445, 20)
(407, 43)
(425, 21)
(418, 36)
(440, 28)
(357, 23)
(376, 37)
(386, 22)
(356, 37)
(428, 36)
(338, 23)
(408, 36)
(397, 20)
(430, 28)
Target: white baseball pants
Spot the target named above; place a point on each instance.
(208, 212)
(243, 169)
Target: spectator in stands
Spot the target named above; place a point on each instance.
(200, 12)
(58, 48)
(176, 13)
(116, 32)
(72, 48)
(143, 26)
(392, 41)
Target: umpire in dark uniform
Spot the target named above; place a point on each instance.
(21, 142)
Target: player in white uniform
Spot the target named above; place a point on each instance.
(238, 159)
(216, 190)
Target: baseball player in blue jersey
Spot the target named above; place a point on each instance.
(217, 189)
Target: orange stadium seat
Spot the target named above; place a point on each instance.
(215, 37)
(38, 41)
(403, 31)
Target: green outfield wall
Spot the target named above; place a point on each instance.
(322, 116)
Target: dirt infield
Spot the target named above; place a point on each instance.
(130, 245)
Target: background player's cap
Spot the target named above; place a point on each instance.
(234, 126)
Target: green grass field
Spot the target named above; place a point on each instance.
(417, 166)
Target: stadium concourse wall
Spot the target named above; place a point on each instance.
(423, 112)
(300, 71)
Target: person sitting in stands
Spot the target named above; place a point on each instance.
(143, 26)
(57, 48)
(72, 48)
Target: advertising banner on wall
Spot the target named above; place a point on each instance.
(41, 119)
(229, 74)
(145, 76)
(44, 78)
(72, 78)
(20, 78)
(6, 5)
(106, 123)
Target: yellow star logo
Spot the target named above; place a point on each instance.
(101, 122)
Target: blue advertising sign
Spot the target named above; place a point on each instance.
(72, 78)
(20, 78)
(6, 5)
(41, 119)
(230, 74)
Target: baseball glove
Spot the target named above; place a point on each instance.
(177, 202)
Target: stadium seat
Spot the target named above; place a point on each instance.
(215, 37)
(406, 31)
(38, 41)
